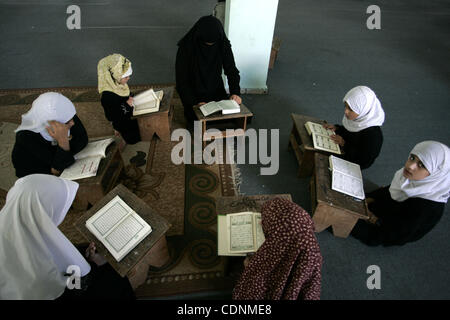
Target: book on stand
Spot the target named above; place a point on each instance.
(119, 228)
(322, 137)
(147, 102)
(87, 160)
(226, 106)
(239, 233)
(346, 177)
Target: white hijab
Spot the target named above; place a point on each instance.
(48, 106)
(34, 254)
(365, 103)
(436, 187)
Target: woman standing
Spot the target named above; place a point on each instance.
(202, 53)
(114, 71)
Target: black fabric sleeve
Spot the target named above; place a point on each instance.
(116, 107)
(40, 149)
(183, 81)
(79, 136)
(230, 70)
(400, 222)
(361, 147)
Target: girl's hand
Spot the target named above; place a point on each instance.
(338, 139)
(130, 101)
(92, 255)
(236, 98)
(329, 126)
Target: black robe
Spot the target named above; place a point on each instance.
(33, 154)
(119, 113)
(398, 222)
(100, 283)
(199, 66)
(361, 147)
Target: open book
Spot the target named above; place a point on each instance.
(87, 160)
(147, 102)
(239, 233)
(118, 227)
(321, 137)
(226, 106)
(346, 177)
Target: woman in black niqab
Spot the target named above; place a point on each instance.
(202, 54)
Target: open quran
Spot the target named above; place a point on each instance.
(346, 177)
(118, 227)
(239, 233)
(322, 137)
(147, 102)
(87, 160)
(226, 106)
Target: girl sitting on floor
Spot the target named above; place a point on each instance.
(114, 71)
(414, 202)
(360, 135)
(35, 255)
(49, 136)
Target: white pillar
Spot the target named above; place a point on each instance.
(249, 25)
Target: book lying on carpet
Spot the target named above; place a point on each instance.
(322, 137)
(346, 177)
(118, 227)
(239, 233)
(87, 160)
(226, 106)
(147, 102)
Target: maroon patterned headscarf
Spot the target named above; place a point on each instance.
(288, 264)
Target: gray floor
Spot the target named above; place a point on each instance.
(326, 50)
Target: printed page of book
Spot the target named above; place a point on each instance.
(94, 148)
(147, 101)
(347, 177)
(325, 143)
(258, 230)
(319, 129)
(223, 243)
(346, 167)
(209, 108)
(229, 106)
(240, 230)
(118, 227)
(347, 184)
(143, 97)
(82, 168)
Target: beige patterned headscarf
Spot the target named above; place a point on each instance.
(111, 70)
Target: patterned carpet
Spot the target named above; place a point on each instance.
(183, 194)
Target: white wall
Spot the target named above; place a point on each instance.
(249, 25)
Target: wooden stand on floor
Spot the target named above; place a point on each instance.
(302, 144)
(330, 207)
(152, 251)
(222, 122)
(158, 122)
(93, 189)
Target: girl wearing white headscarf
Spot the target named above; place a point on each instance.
(114, 71)
(34, 255)
(48, 137)
(360, 135)
(414, 202)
